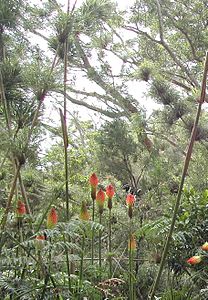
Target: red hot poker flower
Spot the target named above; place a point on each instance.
(110, 191)
(21, 210)
(194, 260)
(130, 199)
(205, 246)
(100, 199)
(94, 180)
(52, 218)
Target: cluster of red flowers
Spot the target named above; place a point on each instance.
(100, 196)
(196, 259)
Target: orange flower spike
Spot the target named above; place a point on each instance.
(130, 199)
(21, 210)
(132, 244)
(110, 193)
(84, 214)
(52, 218)
(194, 260)
(100, 199)
(93, 182)
(205, 246)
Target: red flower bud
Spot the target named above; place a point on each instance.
(130, 199)
(21, 210)
(52, 218)
(194, 260)
(205, 246)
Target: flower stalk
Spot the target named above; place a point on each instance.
(110, 193)
(100, 199)
(93, 183)
(85, 216)
(130, 199)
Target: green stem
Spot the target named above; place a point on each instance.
(185, 169)
(9, 201)
(130, 283)
(81, 262)
(100, 253)
(93, 231)
(65, 136)
(110, 246)
(45, 286)
(49, 256)
(132, 276)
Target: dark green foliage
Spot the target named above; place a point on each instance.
(162, 92)
(9, 12)
(115, 141)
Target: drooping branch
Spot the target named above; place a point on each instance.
(92, 73)
(91, 107)
(105, 97)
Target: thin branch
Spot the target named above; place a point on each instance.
(181, 84)
(184, 32)
(125, 103)
(93, 94)
(144, 33)
(92, 107)
(168, 49)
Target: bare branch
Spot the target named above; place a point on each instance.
(144, 33)
(91, 107)
(178, 83)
